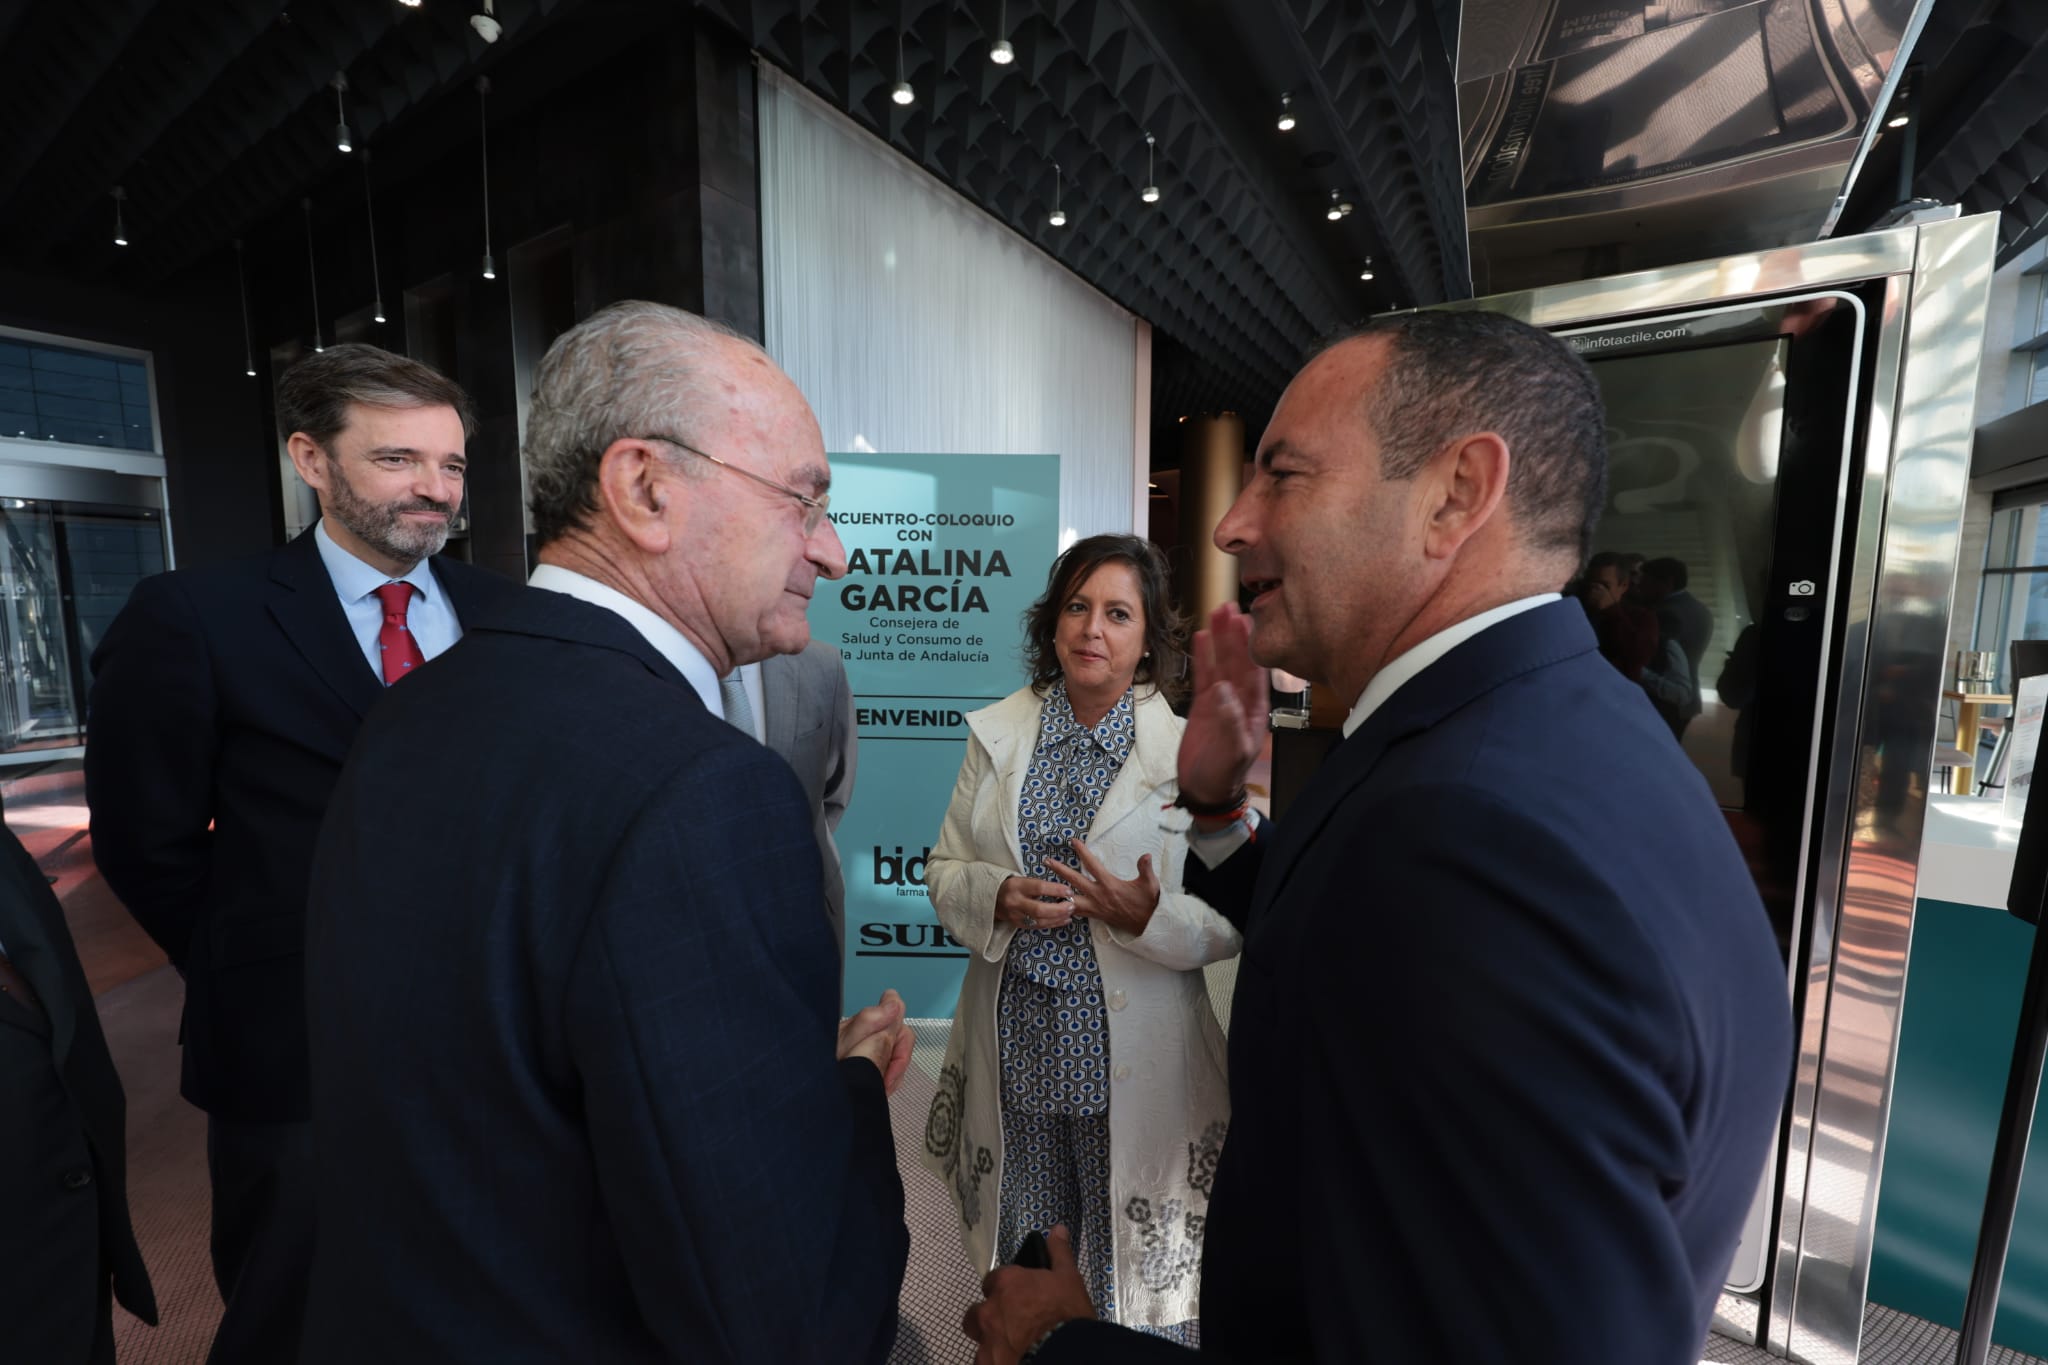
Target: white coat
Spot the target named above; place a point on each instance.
(1169, 1098)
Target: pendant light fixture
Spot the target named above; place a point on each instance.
(120, 225)
(902, 93)
(1000, 52)
(1058, 216)
(1286, 113)
(342, 141)
(483, 96)
(370, 207)
(1366, 273)
(1340, 207)
(1150, 194)
(313, 273)
(248, 337)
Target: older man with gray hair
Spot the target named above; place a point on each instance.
(571, 1002)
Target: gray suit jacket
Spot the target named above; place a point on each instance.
(809, 721)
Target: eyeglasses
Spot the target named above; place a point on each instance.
(814, 508)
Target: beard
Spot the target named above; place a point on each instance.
(379, 525)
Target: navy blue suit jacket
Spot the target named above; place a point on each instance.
(573, 1010)
(1510, 1037)
(223, 703)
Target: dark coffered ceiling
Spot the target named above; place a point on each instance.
(215, 115)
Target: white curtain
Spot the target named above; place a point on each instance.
(917, 324)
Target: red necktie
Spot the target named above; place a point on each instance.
(401, 653)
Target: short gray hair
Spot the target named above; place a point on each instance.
(315, 394)
(630, 369)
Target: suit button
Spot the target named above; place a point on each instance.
(1116, 1000)
(1122, 1073)
(76, 1179)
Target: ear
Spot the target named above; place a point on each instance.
(1467, 482)
(309, 460)
(633, 496)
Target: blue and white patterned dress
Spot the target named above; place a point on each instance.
(1052, 1033)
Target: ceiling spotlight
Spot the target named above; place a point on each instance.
(1150, 194)
(1898, 121)
(1366, 273)
(120, 225)
(1286, 115)
(901, 92)
(486, 24)
(410, 4)
(1336, 208)
(1000, 52)
(483, 125)
(341, 137)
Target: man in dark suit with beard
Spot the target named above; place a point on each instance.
(1510, 1035)
(223, 703)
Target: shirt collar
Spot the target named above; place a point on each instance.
(1113, 734)
(1404, 667)
(354, 579)
(668, 642)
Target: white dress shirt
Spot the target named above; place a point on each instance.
(430, 616)
(668, 642)
(1214, 847)
(750, 679)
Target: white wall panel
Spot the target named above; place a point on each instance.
(916, 323)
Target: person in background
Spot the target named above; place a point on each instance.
(1625, 628)
(1084, 1079)
(65, 1241)
(800, 706)
(1510, 1038)
(223, 703)
(1687, 622)
(572, 1009)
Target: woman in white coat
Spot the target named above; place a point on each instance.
(1084, 1083)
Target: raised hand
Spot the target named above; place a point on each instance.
(1227, 719)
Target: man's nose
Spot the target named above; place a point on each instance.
(1236, 531)
(823, 548)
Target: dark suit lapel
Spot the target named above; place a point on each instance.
(469, 589)
(782, 697)
(306, 609)
(1521, 644)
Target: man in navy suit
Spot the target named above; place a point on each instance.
(223, 703)
(1510, 1036)
(572, 1009)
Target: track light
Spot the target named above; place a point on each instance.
(901, 93)
(1058, 216)
(1150, 194)
(1000, 52)
(370, 210)
(248, 336)
(483, 118)
(1366, 273)
(120, 224)
(342, 140)
(1286, 115)
(312, 272)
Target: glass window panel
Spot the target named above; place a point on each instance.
(83, 397)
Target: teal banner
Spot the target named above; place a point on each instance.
(944, 553)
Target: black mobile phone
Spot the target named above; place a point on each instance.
(1034, 1255)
